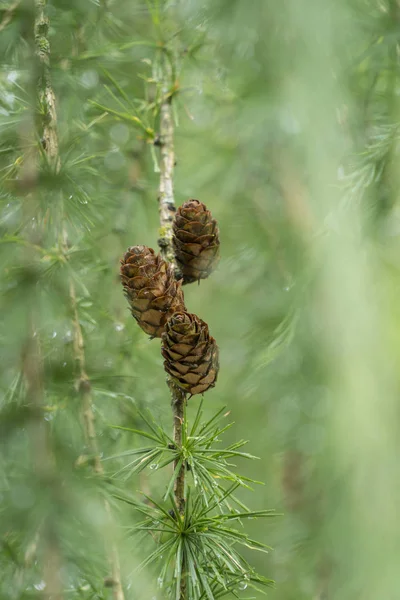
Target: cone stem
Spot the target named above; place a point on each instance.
(178, 398)
(47, 99)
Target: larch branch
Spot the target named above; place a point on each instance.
(167, 211)
(47, 102)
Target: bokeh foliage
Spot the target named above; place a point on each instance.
(287, 128)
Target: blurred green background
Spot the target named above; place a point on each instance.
(287, 128)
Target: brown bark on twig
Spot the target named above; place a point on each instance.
(166, 202)
(178, 398)
(46, 96)
(167, 211)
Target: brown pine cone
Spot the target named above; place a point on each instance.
(190, 353)
(151, 289)
(195, 240)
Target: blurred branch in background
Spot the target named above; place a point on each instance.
(50, 144)
(8, 14)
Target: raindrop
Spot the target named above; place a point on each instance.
(243, 584)
(9, 98)
(160, 582)
(49, 416)
(12, 76)
(119, 326)
(89, 79)
(154, 466)
(54, 334)
(39, 586)
(68, 336)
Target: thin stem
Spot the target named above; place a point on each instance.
(47, 101)
(166, 203)
(178, 398)
(167, 212)
(83, 384)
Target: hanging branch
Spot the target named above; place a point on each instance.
(32, 362)
(84, 388)
(167, 211)
(50, 144)
(188, 238)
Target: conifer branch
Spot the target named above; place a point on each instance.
(32, 370)
(167, 211)
(166, 202)
(84, 388)
(47, 101)
(83, 384)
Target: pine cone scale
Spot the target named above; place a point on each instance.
(181, 349)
